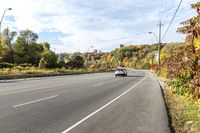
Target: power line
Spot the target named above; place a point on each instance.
(172, 19)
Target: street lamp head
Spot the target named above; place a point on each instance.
(9, 9)
(150, 32)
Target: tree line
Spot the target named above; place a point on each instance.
(24, 50)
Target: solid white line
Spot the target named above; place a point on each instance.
(90, 115)
(35, 101)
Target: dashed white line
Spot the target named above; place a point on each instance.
(96, 85)
(35, 101)
(90, 115)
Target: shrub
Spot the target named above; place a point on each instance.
(26, 65)
(6, 65)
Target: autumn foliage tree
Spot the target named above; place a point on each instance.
(183, 63)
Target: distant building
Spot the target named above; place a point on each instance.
(121, 45)
(95, 50)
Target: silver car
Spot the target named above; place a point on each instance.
(121, 72)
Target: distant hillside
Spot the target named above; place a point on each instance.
(133, 56)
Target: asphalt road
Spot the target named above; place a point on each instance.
(88, 103)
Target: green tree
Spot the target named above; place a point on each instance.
(6, 45)
(50, 58)
(121, 53)
(42, 63)
(8, 36)
(27, 36)
(46, 46)
(61, 60)
(35, 50)
(77, 61)
(26, 49)
(128, 54)
(6, 51)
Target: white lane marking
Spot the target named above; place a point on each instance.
(151, 76)
(96, 85)
(90, 115)
(35, 101)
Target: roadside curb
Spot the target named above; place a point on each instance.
(32, 76)
(13, 78)
(162, 85)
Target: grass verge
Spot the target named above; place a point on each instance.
(184, 112)
(35, 70)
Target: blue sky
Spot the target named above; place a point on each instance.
(75, 25)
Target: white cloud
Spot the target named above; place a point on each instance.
(102, 23)
(99, 39)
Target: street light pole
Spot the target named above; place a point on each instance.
(3, 17)
(159, 40)
(154, 35)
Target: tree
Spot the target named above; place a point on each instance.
(28, 36)
(77, 61)
(128, 54)
(183, 61)
(125, 62)
(6, 45)
(109, 57)
(191, 27)
(50, 58)
(8, 36)
(42, 63)
(26, 49)
(61, 60)
(46, 46)
(121, 53)
(35, 50)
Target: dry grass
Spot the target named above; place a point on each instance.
(34, 70)
(184, 113)
(184, 110)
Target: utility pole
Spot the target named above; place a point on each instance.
(159, 41)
